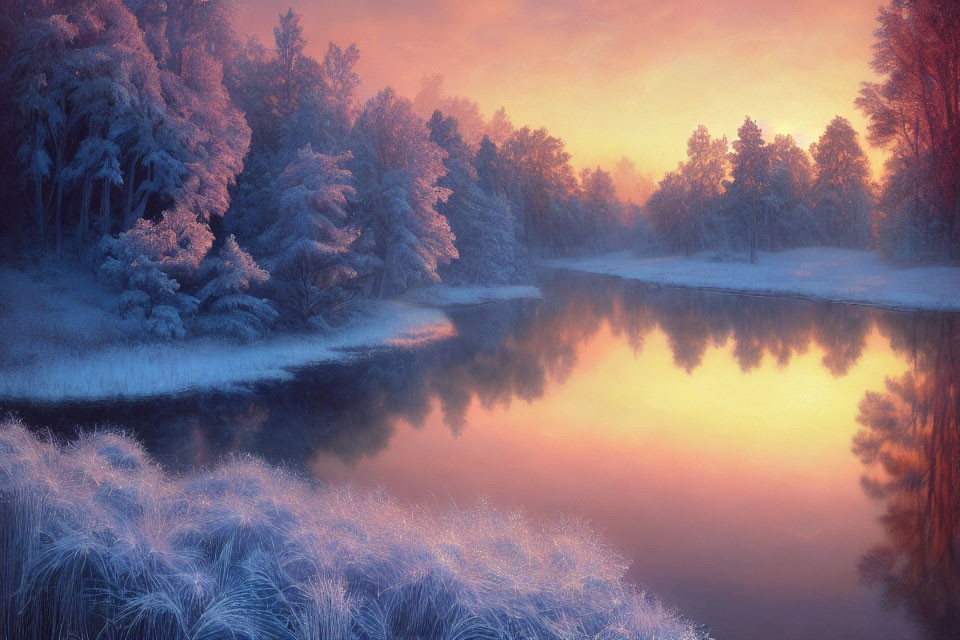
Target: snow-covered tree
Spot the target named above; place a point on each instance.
(397, 167)
(499, 127)
(307, 245)
(605, 219)
(788, 219)
(537, 178)
(632, 185)
(465, 111)
(325, 110)
(685, 208)
(226, 306)
(751, 170)
(841, 191)
(914, 110)
(908, 220)
(486, 240)
(135, 116)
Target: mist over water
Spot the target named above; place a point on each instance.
(745, 454)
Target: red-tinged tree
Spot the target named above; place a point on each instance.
(915, 109)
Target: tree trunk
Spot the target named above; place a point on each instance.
(84, 222)
(483, 246)
(104, 222)
(753, 233)
(38, 194)
(128, 201)
(58, 208)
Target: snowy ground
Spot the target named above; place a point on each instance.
(822, 273)
(62, 340)
(442, 296)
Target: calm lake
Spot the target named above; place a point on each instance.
(745, 453)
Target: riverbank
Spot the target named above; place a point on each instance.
(64, 341)
(470, 295)
(818, 273)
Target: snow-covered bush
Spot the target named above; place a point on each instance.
(98, 542)
(225, 306)
(149, 263)
(165, 322)
(177, 244)
(147, 292)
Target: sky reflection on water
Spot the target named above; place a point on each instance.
(708, 437)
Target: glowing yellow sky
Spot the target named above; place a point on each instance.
(612, 77)
(712, 478)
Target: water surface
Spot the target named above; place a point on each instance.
(745, 453)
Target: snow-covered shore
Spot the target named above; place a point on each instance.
(152, 369)
(468, 295)
(820, 273)
(63, 340)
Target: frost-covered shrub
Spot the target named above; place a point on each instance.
(164, 322)
(177, 244)
(147, 291)
(98, 542)
(225, 306)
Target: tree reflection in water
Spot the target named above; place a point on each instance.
(910, 444)
(503, 352)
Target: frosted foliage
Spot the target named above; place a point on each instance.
(155, 259)
(99, 542)
(226, 307)
(397, 167)
(124, 112)
(164, 322)
(842, 191)
(483, 224)
(178, 243)
(309, 240)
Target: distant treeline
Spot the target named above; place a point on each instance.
(769, 195)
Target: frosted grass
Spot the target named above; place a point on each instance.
(818, 273)
(99, 542)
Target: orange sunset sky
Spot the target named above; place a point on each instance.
(611, 77)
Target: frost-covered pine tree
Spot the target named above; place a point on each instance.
(326, 108)
(490, 252)
(307, 245)
(226, 307)
(751, 168)
(397, 167)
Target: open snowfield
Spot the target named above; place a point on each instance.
(467, 295)
(63, 341)
(821, 273)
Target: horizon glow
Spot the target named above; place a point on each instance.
(612, 78)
